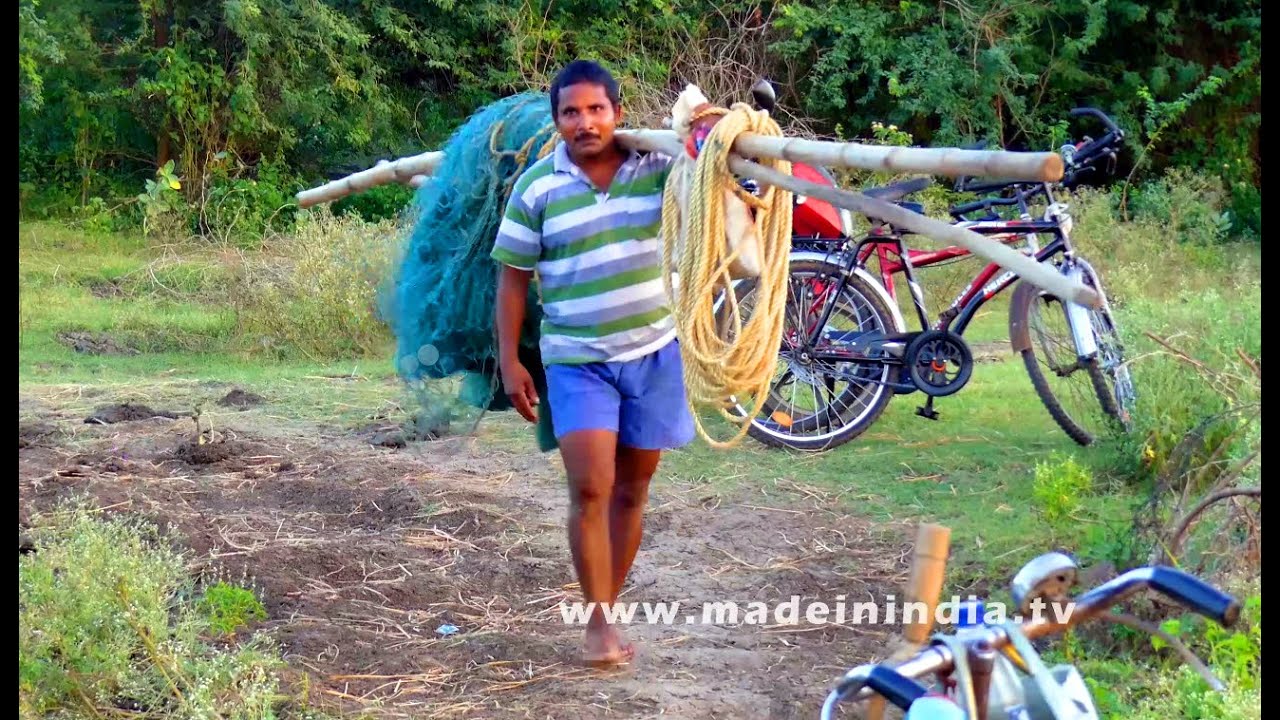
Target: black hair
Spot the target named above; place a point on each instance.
(583, 71)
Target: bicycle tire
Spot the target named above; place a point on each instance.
(1059, 414)
(1019, 311)
(856, 287)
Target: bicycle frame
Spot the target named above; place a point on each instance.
(991, 281)
(895, 257)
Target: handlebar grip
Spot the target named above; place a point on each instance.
(1186, 589)
(895, 687)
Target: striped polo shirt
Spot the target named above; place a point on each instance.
(597, 256)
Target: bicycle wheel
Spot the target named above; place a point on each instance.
(817, 405)
(1076, 390)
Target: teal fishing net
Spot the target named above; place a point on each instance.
(441, 303)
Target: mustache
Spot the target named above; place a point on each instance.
(586, 136)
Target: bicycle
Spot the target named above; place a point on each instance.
(983, 671)
(879, 357)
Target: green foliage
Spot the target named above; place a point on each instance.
(1191, 206)
(106, 621)
(254, 101)
(315, 295)
(243, 203)
(1202, 294)
(1236, 653)
(1059, 487)
(161, 198)
(386, 202)
(1183, 81)
(229, 608)
(36, 47)
(1128, 681)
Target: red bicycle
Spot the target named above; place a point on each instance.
(846, 348)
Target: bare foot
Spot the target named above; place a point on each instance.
(627, 647)
(605, 647)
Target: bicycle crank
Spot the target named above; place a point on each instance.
(938, 362)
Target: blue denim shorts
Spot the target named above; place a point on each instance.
(643, 400)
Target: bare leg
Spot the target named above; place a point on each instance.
(632, 472)
(589, 461)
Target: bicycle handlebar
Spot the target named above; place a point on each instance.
(1179, 586)
(989, 187)
(966, 208)
(959, 211)
(891, 684)
(1187, 590)
(1079, 158)
(1099, 115)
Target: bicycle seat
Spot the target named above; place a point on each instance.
(898, 190)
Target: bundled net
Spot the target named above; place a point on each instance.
(440, 305)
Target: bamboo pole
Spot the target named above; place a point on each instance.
(414, 170)
(406, 170)
(951, 162)
(928, 569)
(1034, 166)
(1042, 276)
(1011, 166)
(1038, 274)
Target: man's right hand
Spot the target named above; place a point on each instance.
(518, 385)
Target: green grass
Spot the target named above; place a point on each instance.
(973, 471)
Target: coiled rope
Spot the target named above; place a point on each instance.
(733, 360)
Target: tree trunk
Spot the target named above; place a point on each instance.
(160, 21)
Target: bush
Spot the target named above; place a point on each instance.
(229, 608)
(1128, 681)
(314, 292)
(1059, 487)
(241, 207)
(1191, 207)
(107, 622)
(385, 202)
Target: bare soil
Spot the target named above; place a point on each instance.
(362, 553)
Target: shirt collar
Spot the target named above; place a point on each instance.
(564, 164)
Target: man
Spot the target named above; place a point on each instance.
(586, 218)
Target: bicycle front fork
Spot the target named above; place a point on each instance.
(1078, 318)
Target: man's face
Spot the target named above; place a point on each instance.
(586, 119)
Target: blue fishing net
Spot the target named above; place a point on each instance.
(440, 305)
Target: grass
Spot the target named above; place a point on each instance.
(994, 468)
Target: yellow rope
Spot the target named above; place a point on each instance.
(727, 360)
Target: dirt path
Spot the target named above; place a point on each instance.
(361, 553)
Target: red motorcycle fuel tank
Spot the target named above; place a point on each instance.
(813, 217)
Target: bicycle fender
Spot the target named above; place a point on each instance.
(900, 325)
(1019, 303)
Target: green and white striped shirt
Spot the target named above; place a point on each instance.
(597, 255)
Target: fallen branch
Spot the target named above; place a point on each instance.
(1175, 538)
